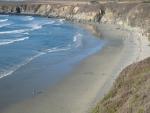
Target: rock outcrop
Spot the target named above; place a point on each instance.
(71, 12)
(125, 14)
(129, 14)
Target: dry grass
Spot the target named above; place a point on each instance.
(130, 93)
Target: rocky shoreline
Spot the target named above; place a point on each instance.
(124, 14)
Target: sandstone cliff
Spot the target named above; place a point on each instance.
(129, 14)
(73, 12)
(125, 14)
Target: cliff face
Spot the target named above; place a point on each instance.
(134, 15)
(71, 12)
(125, 14)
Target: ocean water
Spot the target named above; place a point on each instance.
(36, 52)
(25, 38)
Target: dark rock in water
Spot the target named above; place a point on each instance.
(18, 10)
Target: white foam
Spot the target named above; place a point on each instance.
(33, 27)
(15, 68)
(36, 26)
(3, 25)
(9, 41)
(50, 22)
(39, 25)
(77, 39)
(57, 49)
(3, 20)
(29, 18)
(4, 74)
(26, 33)
(61, 21)
(14, 31)
(28, 60)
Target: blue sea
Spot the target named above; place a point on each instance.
(36, 52)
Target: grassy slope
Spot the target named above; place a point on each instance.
(130, 93)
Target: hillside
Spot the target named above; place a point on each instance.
(130, 92)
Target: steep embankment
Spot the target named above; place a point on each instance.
(130, 93)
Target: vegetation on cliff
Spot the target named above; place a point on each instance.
(130, 93)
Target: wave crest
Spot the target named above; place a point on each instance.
(14, 31)
(15, 68)
(9, 41)
(29, 18)
(3, 20)
(55, 49)
(3, 25)
(77, 39)
(36, 26)
(28, 60)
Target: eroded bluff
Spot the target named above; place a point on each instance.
(72, 12)
(125, 14)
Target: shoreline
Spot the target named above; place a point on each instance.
(94, 77)
(28, 82)
(78, 92)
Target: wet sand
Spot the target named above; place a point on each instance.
(91, 80)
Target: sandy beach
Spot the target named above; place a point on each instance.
(92, 79)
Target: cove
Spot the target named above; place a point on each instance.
(37, 53)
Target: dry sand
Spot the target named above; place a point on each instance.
(91, 79)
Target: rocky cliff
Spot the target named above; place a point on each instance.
(125, 14)
(71, 12)
(129, 14)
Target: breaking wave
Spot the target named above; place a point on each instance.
(3, 20)
(66, 41)
(3, 25)
(14, 31)
(9, 41)
(60, 22)
(5, 73)
(33, 27)
(55, 49)
(16, 67)
(50, 22)
(29, 18)
(77, 39)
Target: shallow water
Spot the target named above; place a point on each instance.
(37, 52)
